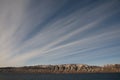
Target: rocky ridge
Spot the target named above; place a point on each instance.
(64, 68)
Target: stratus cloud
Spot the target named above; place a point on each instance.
(28, 40)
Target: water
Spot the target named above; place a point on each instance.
(102, 76)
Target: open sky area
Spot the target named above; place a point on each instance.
(36, 32)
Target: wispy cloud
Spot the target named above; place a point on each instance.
(52, 31)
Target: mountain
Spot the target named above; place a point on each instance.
(63, 68)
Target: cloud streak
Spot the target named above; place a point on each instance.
(56, 32)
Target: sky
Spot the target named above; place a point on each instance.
(34, 32)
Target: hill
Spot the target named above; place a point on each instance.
(63, 68)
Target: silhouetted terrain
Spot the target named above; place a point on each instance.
(64, 68)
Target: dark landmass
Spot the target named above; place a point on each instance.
(64, 68)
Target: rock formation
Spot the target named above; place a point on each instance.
(64, 68)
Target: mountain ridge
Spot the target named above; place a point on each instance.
(63, 68)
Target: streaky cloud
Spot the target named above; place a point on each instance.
(53, 31)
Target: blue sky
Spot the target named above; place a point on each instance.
(59, 32)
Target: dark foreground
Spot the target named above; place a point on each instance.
(89, 76)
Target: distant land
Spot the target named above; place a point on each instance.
(63, 68)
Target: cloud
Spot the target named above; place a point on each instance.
(54, 30)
